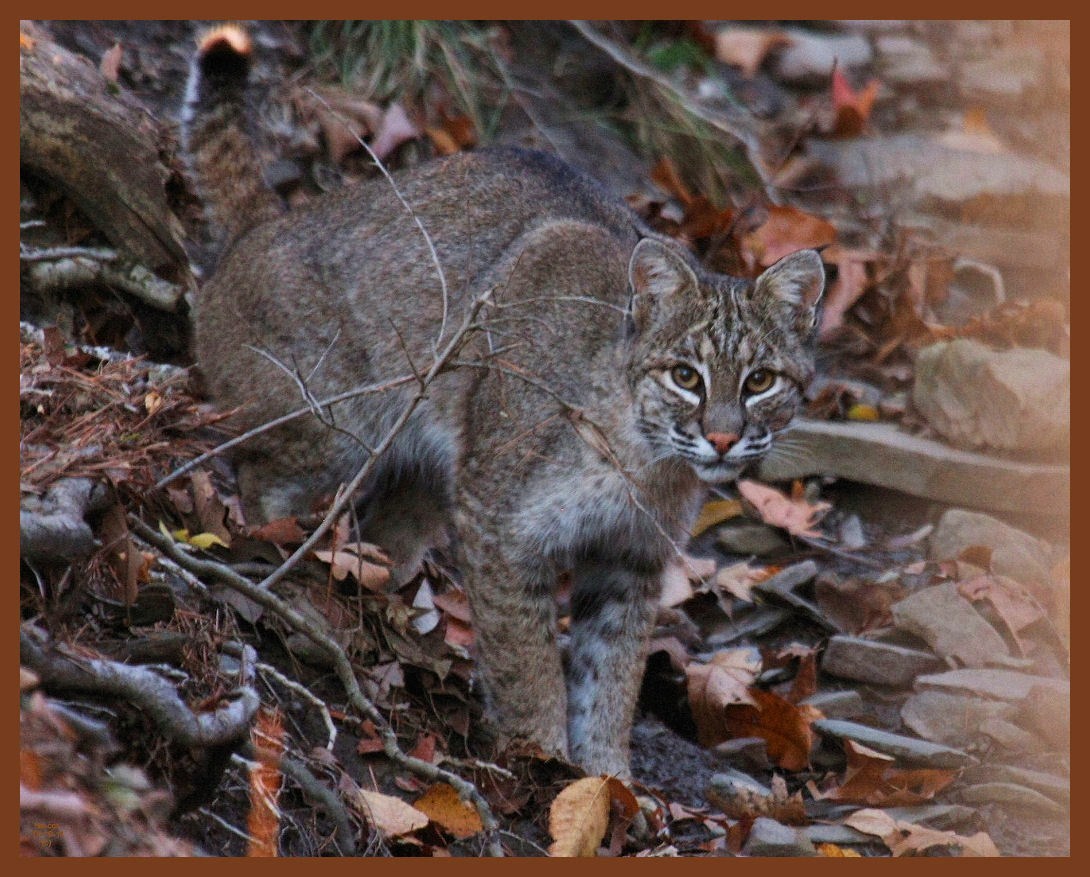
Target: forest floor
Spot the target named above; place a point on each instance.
(865, 650)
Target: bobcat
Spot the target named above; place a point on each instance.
(606, 379)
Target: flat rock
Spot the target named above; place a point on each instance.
(997, 684)
(907, 749)
(759, 621)
(1015, 554)
(810, 57)
(1009, 736)
(949, 624)
(746, 538)
(941, 816)
(1048, 712)
(1003, 76)
(729, 783)
(771, 838)
(951, 719)
(837, 704)
(841, 835)
(1012, 795)
(748, 751)
(939, 177)
(866, 660)
(883, 455)
(786, 580)
(1007, 400)
(1057, 788)
(907, 62)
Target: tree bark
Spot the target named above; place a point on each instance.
(102, 148)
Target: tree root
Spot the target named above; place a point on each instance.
(150, 692)
(52, 528)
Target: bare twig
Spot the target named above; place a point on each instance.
(739, 132)
(307, 695)
(313, 788)
(341, 665)
(364, 390)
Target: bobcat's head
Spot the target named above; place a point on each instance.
(719, 364)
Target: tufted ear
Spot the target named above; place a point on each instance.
(657, 272)
(797, 280)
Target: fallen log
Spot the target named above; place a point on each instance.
(95, 142)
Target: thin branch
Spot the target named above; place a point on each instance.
(408, 209)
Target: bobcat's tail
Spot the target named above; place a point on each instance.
(216, 136)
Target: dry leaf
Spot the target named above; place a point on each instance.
(1011, 601)
(210, 510)
(861, 412)
(698, 569)
(712, 687)
(786, 231)
(715, 512)
(263, 822)
(739, 579)
(396, 128)
(904, 838)
(665, 175)
(390, 815)
(343, 117)
(747, 48)
(797, 516)
(579, 816)
(832, 851)
(349, 560)
(974, 135)
(872, 779)
(204, 541)
(851, 282)
(675, 586)
(785, 727)
(443, 806)
(282, 531)
(743, 802)
(110, 65)
(852, 107)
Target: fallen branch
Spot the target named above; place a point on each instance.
(61, 268)
(341, 665)
(153, 694)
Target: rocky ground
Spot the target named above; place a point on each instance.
(870, 657)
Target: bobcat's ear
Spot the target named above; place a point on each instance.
(798, 281)
(656, 272)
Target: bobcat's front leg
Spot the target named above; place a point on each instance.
(613, 610)
(514, 617)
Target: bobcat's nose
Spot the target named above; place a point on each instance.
(722, 441)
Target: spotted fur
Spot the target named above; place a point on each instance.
(560, 443)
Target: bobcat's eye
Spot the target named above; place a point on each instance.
(758, 381)
(686, 377)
